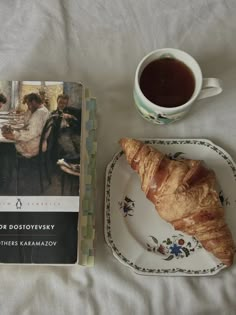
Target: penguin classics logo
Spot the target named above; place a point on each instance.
(18, 204)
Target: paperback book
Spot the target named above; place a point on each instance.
(47, 173)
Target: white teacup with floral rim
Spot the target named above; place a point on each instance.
(164, 115)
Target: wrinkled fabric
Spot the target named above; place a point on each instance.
(100, 43)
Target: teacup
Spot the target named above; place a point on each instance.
(168, 113)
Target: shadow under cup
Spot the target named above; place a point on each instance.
(145, 79)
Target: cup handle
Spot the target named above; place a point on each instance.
(210, 87)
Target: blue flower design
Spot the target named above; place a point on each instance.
(127, 206)
(175, 249)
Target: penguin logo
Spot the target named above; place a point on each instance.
(18, 204)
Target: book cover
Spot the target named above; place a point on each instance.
(47, 173)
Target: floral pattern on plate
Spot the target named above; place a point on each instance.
(175, 247)
(127, 206)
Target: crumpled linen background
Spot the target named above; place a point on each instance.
(101, 42)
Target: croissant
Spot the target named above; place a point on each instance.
(183, 193)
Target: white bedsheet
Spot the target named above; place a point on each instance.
(100, 42)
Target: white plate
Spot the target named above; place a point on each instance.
(137, 235)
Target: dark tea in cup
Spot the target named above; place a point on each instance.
(167, 82)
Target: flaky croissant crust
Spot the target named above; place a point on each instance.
(184, 195)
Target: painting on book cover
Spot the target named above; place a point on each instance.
(40, 133)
